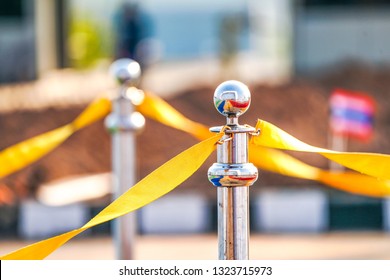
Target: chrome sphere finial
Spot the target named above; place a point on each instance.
(232, 98)
(126, 71)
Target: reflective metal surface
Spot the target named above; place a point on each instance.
(232, 174)
(126, 71)
(123, 123)
(232, 98)
(233, 223)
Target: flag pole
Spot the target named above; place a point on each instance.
(339, 143)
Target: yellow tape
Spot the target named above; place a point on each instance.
(95, 111)
(376, 165)
(156, 184)
(24, 153)
(267, 158)
(159, 110)
(279, 162)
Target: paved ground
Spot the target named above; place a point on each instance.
(204, 247)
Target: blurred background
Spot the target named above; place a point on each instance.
(292, 54)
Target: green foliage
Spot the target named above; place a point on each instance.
(89, 41)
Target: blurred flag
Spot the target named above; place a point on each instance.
(352, 114)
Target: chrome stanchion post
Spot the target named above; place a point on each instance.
(122, 123)
(233, 174)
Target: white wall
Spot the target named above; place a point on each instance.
(172, 214)
(291, 210)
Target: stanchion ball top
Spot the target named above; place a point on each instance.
(126, 71)
(232, 98)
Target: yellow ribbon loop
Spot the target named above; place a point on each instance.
(95, 111)
(156, 184)
(279, 162)
(376, 165)
(267, 158)
(24, 153)
(356, 183)
(157, 109)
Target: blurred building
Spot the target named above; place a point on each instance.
(58, 33)
(283, 36)
(32, 35)
(328, 32)
(192, 41)
(17, 41)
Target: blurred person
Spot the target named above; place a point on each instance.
(133, 32)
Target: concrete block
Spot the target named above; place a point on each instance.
(172, 214)
(291, 211)
(37, 221)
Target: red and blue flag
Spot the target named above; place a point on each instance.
(352, 114)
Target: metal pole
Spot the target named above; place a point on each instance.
(123, 122)
(339, 143)
(233, 174)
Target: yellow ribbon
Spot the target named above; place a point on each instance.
(267, 158)
(156, 184)
(98, 109)
(159, 110)
(24, 153)
(279, 162)
(376, 165)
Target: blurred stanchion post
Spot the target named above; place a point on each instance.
(123, 123)
(233, 174)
